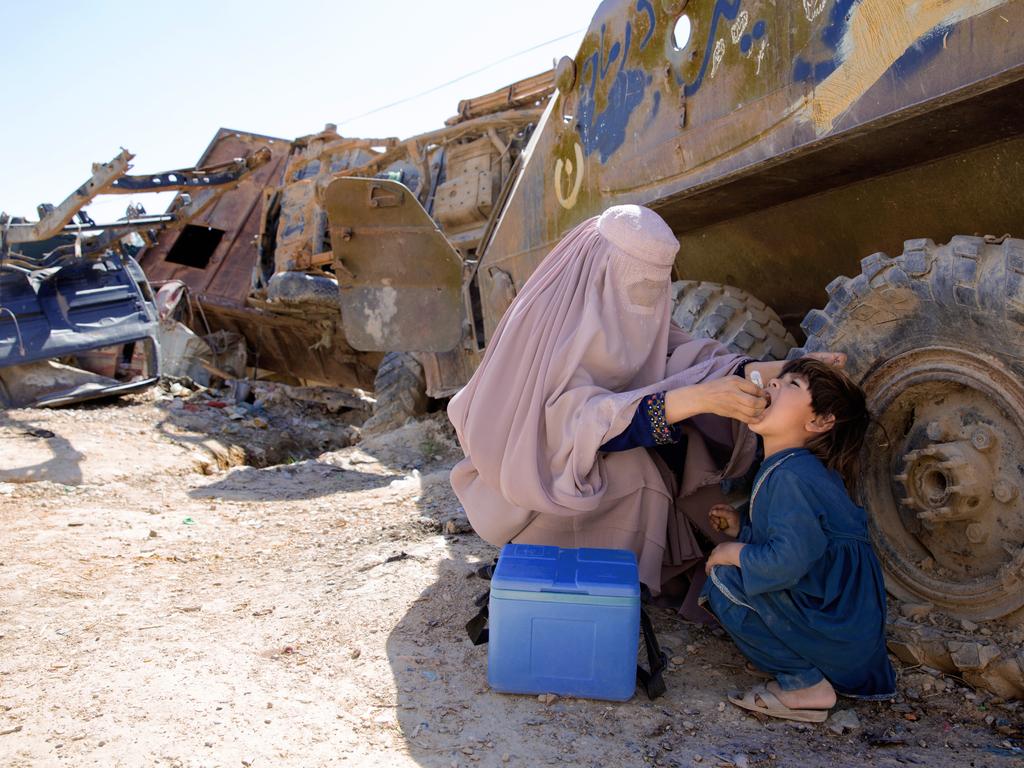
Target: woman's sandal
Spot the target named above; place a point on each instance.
(759, 699)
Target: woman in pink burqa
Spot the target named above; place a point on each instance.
(594, 421)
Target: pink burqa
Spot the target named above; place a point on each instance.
(585, 340)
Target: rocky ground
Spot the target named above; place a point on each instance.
(166, 603)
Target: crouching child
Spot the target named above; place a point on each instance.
(800, 591)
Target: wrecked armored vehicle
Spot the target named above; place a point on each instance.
(260, 262)
(789, 146)
(77, 318)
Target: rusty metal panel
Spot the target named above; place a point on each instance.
(766, 103)
(308, 350)
(227, 275)
(400, 278)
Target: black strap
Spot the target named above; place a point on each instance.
(652, 682)
(476, 627)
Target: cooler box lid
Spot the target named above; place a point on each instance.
(597, 572)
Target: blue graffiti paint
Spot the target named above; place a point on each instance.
(760, 29)
(920, 53)
(724, 9)
(838, 21)
(746, 42)
(644, 6)
(833, 33)
(605, 132)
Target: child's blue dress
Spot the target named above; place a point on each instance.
(807, 601)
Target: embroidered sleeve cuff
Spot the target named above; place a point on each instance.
(662, 432)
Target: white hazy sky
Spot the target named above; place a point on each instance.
(83, 80)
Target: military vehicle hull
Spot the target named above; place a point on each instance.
(791, 147)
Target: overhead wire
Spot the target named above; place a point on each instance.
(462, 77)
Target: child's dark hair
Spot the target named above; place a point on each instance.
(834, 394)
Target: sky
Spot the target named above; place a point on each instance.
(83, 80)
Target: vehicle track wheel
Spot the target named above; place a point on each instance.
(936, 338)
(737, 319)
(401, 391)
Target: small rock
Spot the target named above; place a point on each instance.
(457, 525)
(270, 705)
(989, 720)
(923, 744)
(721, 706)
(506, 757)
(688, 725)
(968, 626)
(678, 659)
(153, 534)
(842, 721)
(916, 611)
(691, 649)
(986, 631)
(547, 698)
(740, 761)
(354, 653)
(698, 759)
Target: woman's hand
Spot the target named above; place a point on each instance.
(725, 519)
(724, 554)
(729, 396)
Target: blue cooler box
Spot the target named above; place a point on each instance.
(564, 621)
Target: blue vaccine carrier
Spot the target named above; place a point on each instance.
(564, 621)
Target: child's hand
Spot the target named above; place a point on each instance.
(727, 553)
(725, 519)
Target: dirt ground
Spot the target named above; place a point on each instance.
(312, 612)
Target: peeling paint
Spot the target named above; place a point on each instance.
(878, 34)
(378, 318)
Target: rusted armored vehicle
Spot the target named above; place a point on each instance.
(260, 263)
(872, 150)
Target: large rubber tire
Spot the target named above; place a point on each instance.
(400, 388)
(936, 337)
(740, 321)
(299, 288)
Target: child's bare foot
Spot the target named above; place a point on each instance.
(818, 696)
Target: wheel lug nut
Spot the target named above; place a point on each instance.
(976, 533)
(981, 439)
(1004, 491)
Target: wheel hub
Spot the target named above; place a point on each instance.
(942, 479)
(949, 481)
